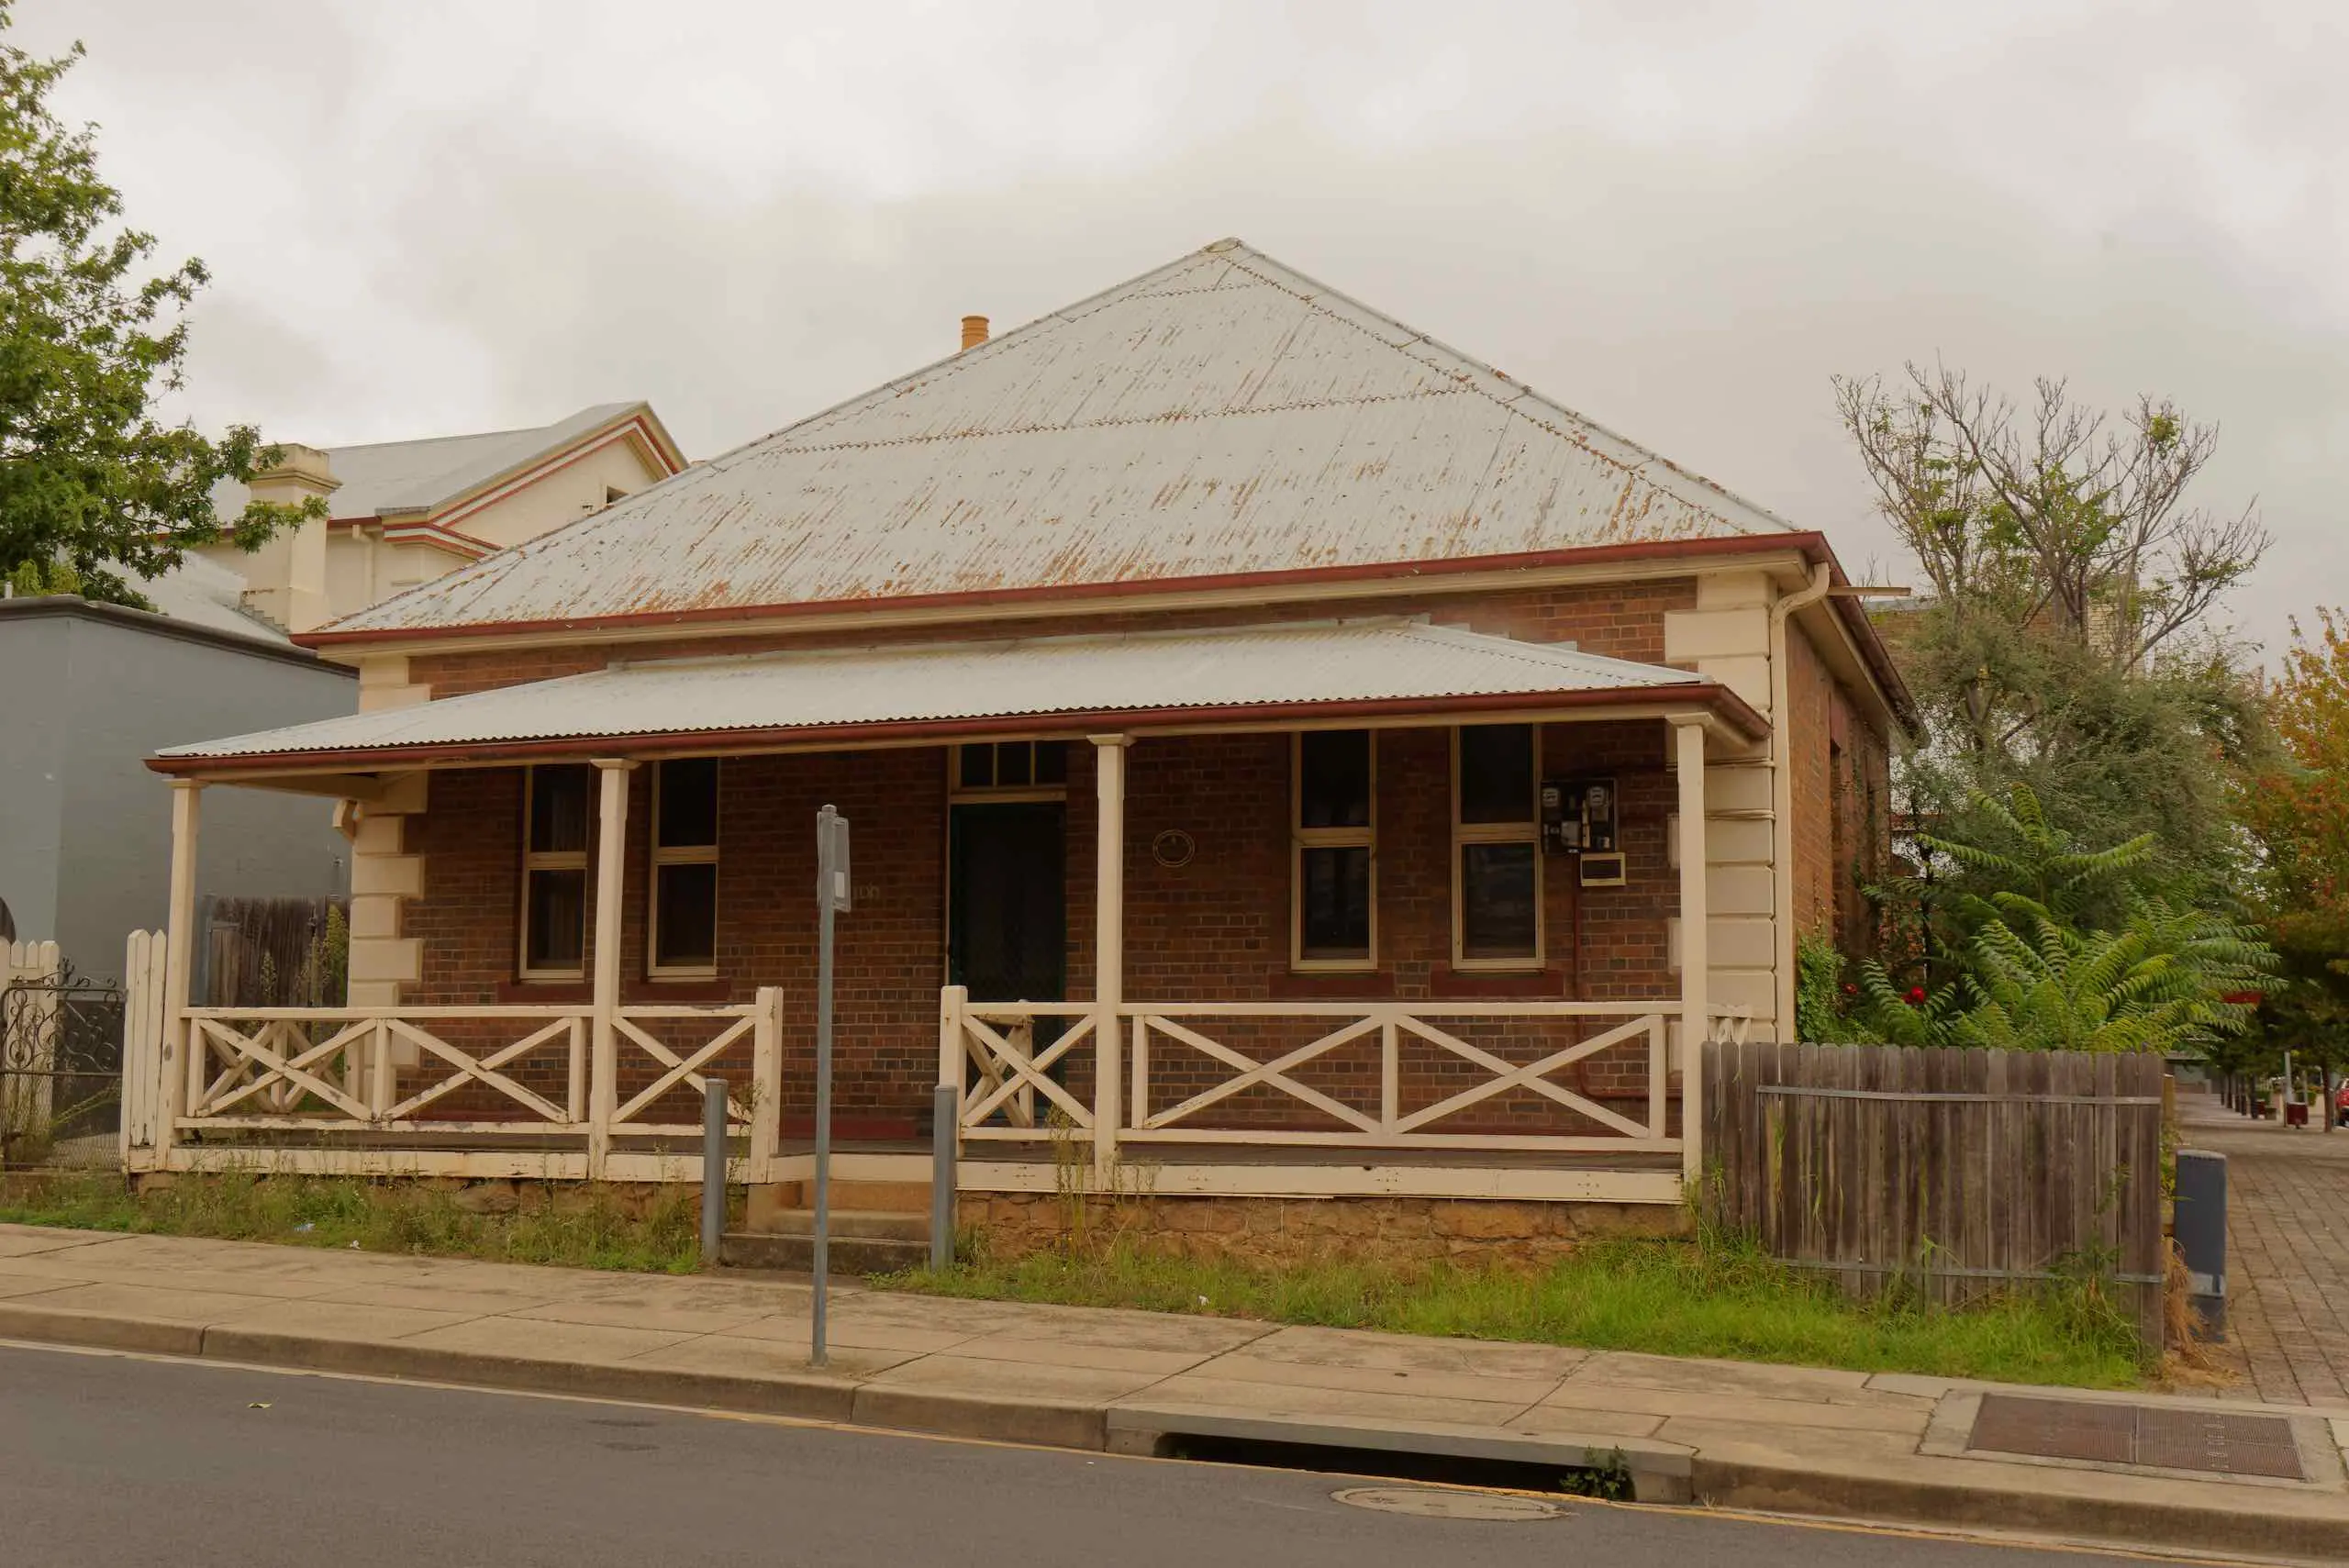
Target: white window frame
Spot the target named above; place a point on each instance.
(1302, 838)
(1526, 832)
(535, 861)
(682, 855)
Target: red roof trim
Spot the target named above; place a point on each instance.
(1711, 695)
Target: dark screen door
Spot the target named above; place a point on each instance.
(1006, 922)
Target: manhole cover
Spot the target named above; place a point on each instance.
(2136, 1434)
(1429, 1502)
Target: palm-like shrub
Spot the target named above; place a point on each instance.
(2031, 961)
(2158, 983)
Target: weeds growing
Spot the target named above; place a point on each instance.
(580, 1227)
(1719, 1295)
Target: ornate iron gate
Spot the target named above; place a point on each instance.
(61, 1072)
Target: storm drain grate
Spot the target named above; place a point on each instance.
(2134, 1434)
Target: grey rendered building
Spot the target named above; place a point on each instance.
(87, 693)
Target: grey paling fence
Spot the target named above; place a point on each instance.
(1956, 1172)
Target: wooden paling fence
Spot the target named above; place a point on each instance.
(269, 953)
(1957, 1173)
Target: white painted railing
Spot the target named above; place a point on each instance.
(364, 1090)
(1013, 1091)
(251, 1068)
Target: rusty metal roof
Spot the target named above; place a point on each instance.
(1221, 415)
(1293, 665)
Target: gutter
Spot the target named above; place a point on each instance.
(982, 603)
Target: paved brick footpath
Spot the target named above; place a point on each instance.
(2288, 1251)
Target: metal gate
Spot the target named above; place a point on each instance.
(61, 1072)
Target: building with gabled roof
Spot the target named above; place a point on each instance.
(1288, 758)
(404, 513)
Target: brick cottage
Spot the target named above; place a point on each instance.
(1287, 760)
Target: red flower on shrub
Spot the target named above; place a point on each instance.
(1851, 988)
(1916, 998)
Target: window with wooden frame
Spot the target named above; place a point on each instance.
(681, 936)
(1496, 847)
(558, 804)
(1333, 851)
(1012, 767)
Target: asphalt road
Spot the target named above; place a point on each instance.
(111, 1460)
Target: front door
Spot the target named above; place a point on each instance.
(1006, 921)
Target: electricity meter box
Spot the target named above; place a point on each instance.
(1579, 818)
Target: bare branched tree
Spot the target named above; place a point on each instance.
(2051, 518)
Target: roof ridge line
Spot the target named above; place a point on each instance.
(948, 363)
(1112, 424)
(1524, 390)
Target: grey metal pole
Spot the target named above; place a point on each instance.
(946, 1110)
(713, 1169)
(816, 1353)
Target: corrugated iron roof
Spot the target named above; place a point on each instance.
(1223, 415)
(419, 475)
(1296, 664)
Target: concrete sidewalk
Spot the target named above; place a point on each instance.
(2288, 1251)
(1796, 1440)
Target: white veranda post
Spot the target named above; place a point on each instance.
(1689, 761)
(611, 841)
(1108, 941)
(181, 1061)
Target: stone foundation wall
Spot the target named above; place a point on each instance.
(1289, 1230)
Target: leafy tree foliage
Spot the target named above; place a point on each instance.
(2298, 807)
(92, 482)
(2067, 641)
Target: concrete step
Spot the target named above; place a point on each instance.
(847, 1255)
(864, 1224)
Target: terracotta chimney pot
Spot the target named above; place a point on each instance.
(974, 331)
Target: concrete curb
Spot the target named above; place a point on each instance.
(2268, 1523)
(2259, 1529)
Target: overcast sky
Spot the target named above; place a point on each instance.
(1678, 218)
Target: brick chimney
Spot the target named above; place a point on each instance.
(286, 578)
(974, 331)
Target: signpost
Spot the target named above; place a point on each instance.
(831, 897)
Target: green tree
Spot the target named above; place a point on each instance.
(93, 483)
(2069, 640)
(2297, 808)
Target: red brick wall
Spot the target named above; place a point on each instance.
(1623, 620)
(1217, 929)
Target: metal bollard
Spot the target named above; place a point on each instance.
(713, 1170)
(946, 1111)
(2201, 1224)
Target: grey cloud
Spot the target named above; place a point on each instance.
(1678, 218)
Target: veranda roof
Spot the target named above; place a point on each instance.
(1133, 681)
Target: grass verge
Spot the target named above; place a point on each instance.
(584, 1227)
(1717, 1297)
